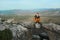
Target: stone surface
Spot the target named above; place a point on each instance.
(23, 31)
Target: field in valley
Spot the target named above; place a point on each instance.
(29, 18)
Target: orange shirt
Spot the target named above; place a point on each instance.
(36, 19)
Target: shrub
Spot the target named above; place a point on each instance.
(6, 34)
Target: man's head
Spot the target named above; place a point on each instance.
(37, 14)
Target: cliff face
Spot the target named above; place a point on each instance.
(23, 31)
(19, 32)
(53, 31)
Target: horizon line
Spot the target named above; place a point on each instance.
(29, 9)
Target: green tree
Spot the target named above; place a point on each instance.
(6, 34)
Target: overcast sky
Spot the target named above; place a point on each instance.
(28, 4)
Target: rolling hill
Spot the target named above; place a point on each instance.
(43, 12)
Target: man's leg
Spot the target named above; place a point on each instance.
(34, 28)
(40, 23)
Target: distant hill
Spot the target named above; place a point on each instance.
(51, 12)
(43, 12)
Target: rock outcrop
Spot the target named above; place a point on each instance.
(22, 31)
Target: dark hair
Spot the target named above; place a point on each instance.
(37, 13)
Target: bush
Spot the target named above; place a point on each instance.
(6, 34)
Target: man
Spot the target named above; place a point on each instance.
(37, 21)
(37, 18)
